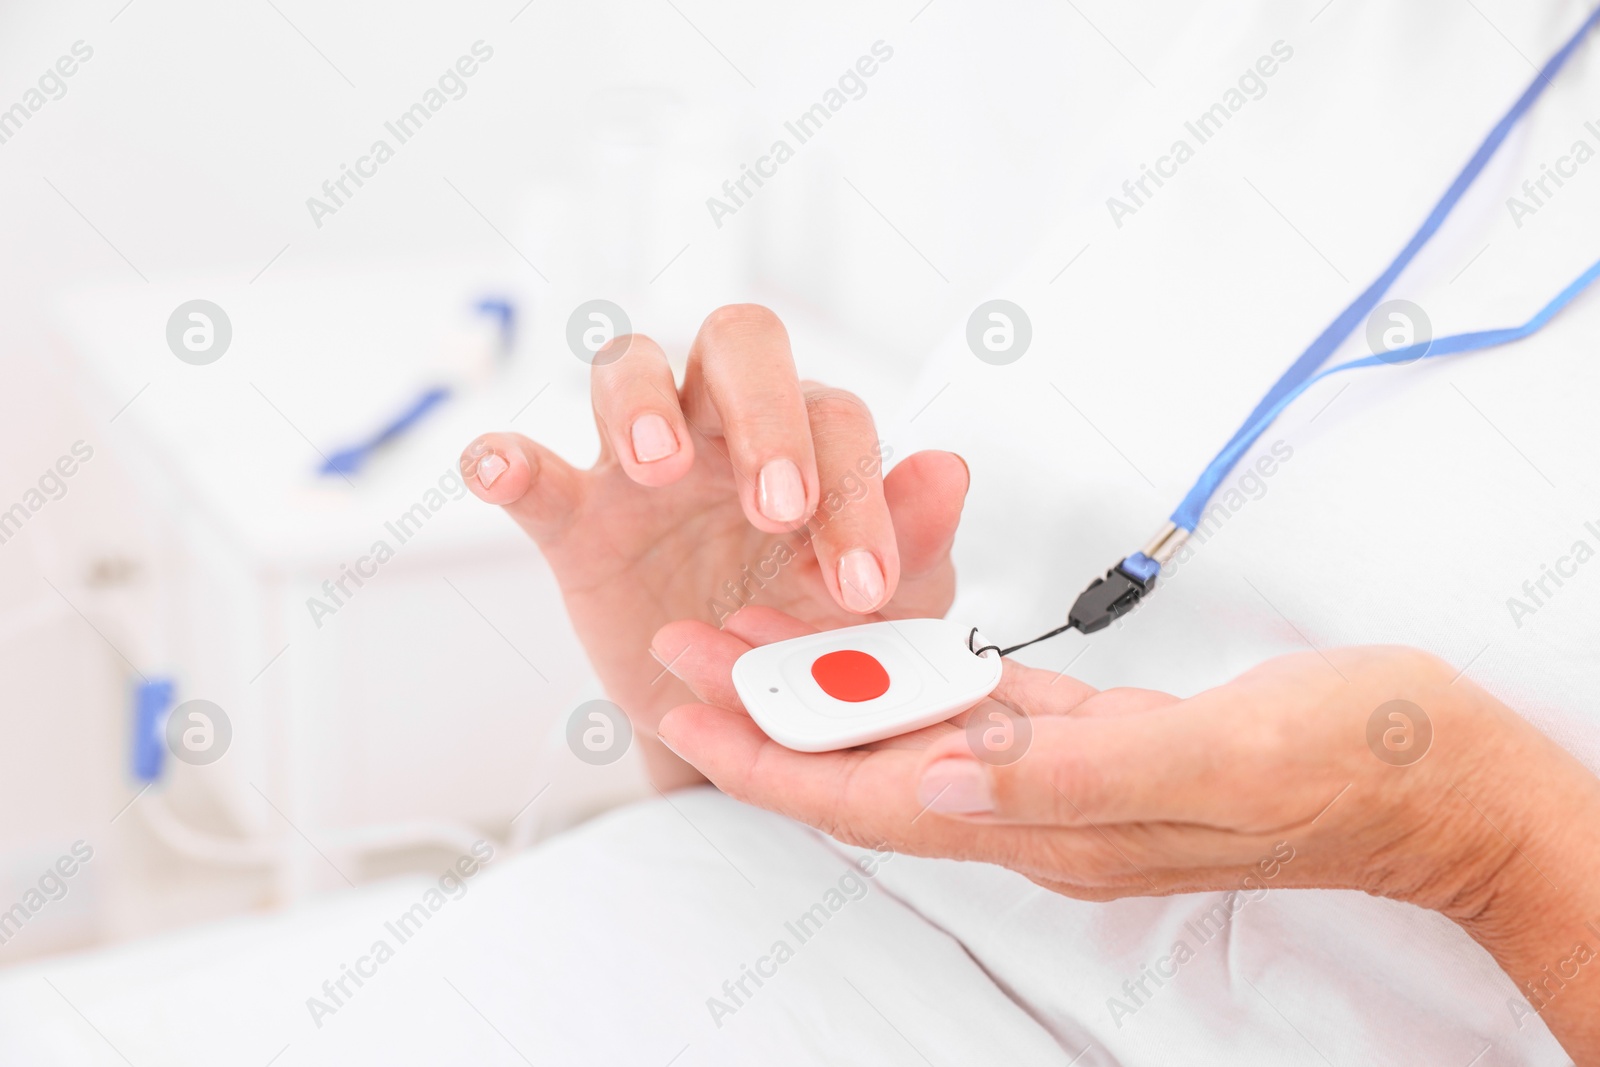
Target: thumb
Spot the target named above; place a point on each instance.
(538, 488)
(1078, 770)
(925, 493)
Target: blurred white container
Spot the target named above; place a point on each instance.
(421, 710)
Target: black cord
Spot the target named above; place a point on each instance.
(1013, 648)
(1102, 603)
(1036, 640)
(973, 633)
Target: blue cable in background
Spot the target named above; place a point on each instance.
(347, 461)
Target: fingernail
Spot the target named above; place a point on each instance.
(653, 439)
(955, 787)
(490, 468)
(668, 746)
(860, 580)
(781, 495)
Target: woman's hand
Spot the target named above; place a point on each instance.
(1378, 769)
(744, 485)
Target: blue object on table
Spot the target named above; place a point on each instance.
(505, 316)
(152, 699)
(349, 460)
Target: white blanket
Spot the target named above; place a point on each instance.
(618, 943)
(628, 940)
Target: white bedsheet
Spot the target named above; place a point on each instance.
(601, 947)
(607, 946)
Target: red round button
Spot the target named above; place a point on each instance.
(850, 675)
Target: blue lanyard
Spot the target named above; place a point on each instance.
(1302, 373)
(1114, 595)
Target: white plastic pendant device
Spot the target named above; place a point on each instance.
(847, 687)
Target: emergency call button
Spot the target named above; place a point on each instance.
(840, 688)
(850, 675)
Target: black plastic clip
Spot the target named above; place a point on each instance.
(1108, 599)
